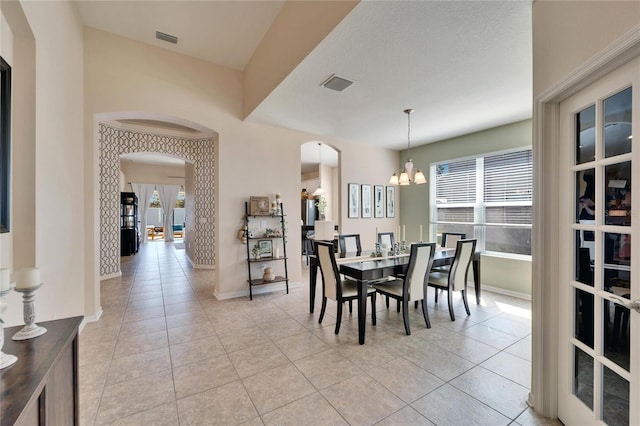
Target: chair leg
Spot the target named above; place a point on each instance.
(464, 299)
(324, 306)
(450, 300)
(415, 305)
(397, 305)
(425, 313)
(350, 307)
(339, 317)
(405, 315)
(435, 290)
(387, 301)
(373, 308)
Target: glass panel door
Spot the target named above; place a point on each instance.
(598, 334)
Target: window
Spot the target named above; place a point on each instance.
(488, 198)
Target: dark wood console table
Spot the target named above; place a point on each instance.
(41, 388)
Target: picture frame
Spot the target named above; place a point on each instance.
(378, 201)
(5, 145)
(353, 195)
(367, 202)
(259, 206)
(266, 248)
(391, 201)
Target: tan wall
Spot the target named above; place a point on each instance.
(122, 75)
(59, 184)
(568, 33)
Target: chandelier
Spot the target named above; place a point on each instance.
(407, 177)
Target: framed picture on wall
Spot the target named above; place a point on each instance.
(378, 201)
(391, 201)
(5, 144)
(354, 200)
(367, 202)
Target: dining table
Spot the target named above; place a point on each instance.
(363, 268)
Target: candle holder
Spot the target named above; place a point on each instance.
(30, 329)
(5, 359)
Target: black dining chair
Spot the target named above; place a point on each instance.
(413, 286)
(350, 243)
(455, 279)
(386, 238)
(336, 288)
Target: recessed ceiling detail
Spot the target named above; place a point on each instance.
(337, 83)
(166, 37)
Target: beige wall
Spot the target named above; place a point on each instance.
(122, 75)
(414, 201)
(151, 173)
(59, 185)
(566, 34)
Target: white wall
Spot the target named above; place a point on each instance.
(59, 182)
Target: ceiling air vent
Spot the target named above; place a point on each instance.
(337, 83)
(166, 37)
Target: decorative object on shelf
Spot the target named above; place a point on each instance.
(242, 234)
(321, 204)
(304, 195)
(268, 274)
(354, 200)
(272, 233)
(407, 177)
(255, 251)
(5, 288)
(266, 248)
(259, 206)
(27, 282)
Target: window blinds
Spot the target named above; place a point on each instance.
(456, 182)
(508, 178)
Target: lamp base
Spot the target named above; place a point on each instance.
(29, 332)
(6, 360)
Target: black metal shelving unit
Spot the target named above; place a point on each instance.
(248, 218)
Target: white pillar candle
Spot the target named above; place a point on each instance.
(404, 237)
(420, 232)
(5, 281)
(376, 239)
(278, 252)
(27, 277)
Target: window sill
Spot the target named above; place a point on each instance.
(512, 256)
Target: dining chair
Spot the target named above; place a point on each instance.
(350, 243)
(413, 287)
(450, 239)
(336, 288)
(455, 279)
(386, 238)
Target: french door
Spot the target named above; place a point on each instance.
(599, 330)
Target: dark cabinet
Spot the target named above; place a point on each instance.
(129, 236)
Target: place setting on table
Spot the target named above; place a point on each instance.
(366, 266)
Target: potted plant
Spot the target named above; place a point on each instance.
(256, 251)
(321, 204)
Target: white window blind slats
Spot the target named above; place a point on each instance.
(455, 214)
(508, 177)
(456, 182)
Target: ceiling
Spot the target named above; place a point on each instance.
(463, 66)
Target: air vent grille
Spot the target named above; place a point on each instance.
(166, 37)
(336, 83)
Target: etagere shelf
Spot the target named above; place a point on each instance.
(254, 237)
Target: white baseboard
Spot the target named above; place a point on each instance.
(256, 290)
(108, 277)
(90, 318)
(203, 266)
(499, 290)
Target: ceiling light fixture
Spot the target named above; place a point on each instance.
(407, 177)
(319, 192)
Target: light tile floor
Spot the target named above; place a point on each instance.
(167, 352)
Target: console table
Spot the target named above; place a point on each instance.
(41, 388)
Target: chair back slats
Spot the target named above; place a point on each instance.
(450, 239)
(420, 262)
(460, 266)
(386, 238)
(328, 270)
(350, 243)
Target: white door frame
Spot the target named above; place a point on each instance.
(545, 244)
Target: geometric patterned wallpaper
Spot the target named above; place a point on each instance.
(113, 142)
